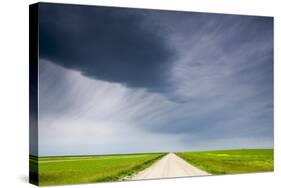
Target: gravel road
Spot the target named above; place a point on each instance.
(169, 166)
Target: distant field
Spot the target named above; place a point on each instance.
(231, 161)
(85, 169)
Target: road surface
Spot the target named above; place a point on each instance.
(168, 167)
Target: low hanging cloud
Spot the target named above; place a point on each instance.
(140, 48)
(105, 43)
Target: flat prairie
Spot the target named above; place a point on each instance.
(86, 169)
(231, 161)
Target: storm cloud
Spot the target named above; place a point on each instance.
(105, 43)
(160, 80)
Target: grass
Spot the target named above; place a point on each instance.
(86, 169)
(231, 161)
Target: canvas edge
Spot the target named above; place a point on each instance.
(33, 94)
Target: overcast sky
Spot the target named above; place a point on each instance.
(116, 80)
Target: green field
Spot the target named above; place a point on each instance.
(86, 169)
(99, 168)
(231, 161)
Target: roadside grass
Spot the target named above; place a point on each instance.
(86, 169)
(231, 161)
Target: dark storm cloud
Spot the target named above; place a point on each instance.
(133, 46)
(104, 43)
(199, 78)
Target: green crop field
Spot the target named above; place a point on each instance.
(231, 161)
(85, 169)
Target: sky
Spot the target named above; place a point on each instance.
(118, 80)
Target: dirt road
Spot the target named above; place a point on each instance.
(169, 166)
